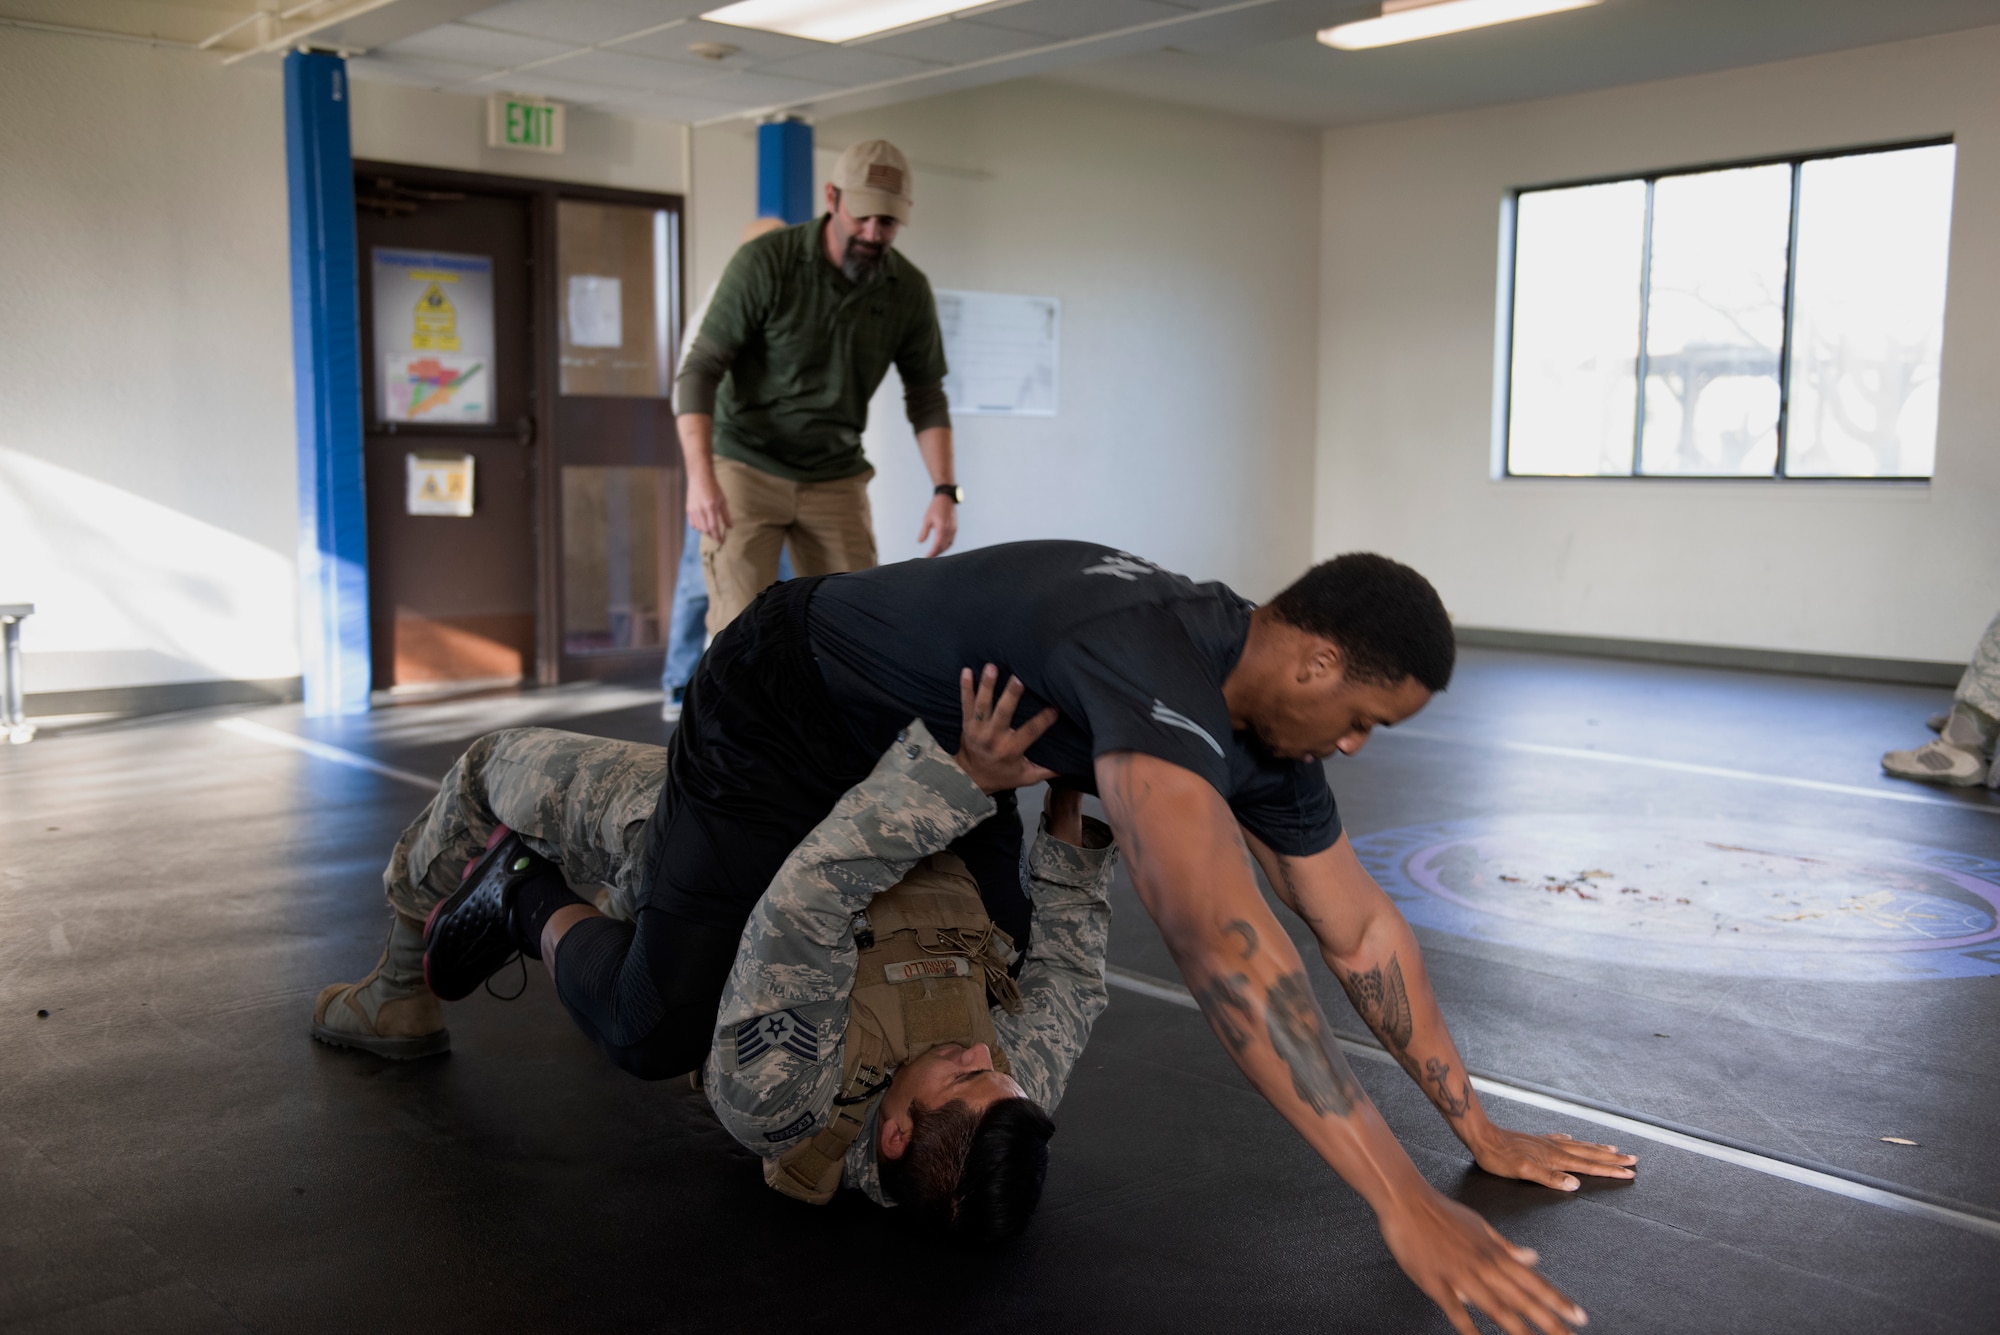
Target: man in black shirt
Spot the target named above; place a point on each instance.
(1200, 720)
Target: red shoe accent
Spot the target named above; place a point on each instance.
(499, 832)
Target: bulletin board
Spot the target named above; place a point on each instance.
(1002, 352)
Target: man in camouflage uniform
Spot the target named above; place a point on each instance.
(581, 802)
(1962, 753)
(776, 1066)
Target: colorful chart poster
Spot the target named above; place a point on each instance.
(434, 337)
(444, 387)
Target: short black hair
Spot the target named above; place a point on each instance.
(1389, 622)
(978, 1177)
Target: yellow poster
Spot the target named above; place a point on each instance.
(437, 318)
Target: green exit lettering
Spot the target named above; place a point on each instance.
(529, 126)
(534, 125)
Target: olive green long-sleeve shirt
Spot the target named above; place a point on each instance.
(791, 350)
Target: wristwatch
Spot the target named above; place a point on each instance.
(951, 489)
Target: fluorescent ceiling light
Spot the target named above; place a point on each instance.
(1410, 20)
(832, 20)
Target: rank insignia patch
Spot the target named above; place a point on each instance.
(785, 1029)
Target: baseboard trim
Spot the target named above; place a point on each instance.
(164, 699)
(1902, 671)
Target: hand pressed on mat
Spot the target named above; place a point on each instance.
(1550, 1160)
(1459, 1260)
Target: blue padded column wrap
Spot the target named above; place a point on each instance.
(785, 171)
(326, 359)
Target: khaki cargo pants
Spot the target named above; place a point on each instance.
(580, 801)
(827, 524)
(1980, 686)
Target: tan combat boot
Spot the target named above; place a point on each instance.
(391, 1012)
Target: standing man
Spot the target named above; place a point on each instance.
(773, 396)
(687, 623)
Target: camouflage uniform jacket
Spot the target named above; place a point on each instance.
(776, 1063)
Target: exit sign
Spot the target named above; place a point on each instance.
(524, 122)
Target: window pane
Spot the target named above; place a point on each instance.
(618, 568)
(1716, 322)
(614, 298)
(1573, 387)
(1868, 314)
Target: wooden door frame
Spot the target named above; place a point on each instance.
(541, 198)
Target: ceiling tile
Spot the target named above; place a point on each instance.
(413, 73)
(754, 44)
(847, 66)
(586, 22)
(535, 83)
(615, 72)
(457, 41)
(1059, 20)
(758, 90)
(953, 43)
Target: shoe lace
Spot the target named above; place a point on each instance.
(515, 995)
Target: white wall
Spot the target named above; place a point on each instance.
(1410, 263)
(1181, 244)
(147, 441)
(146, 433)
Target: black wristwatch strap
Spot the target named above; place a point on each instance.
(951, 489)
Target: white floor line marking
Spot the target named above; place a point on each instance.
(1177, 995)
(1712, 771)
(257, 732)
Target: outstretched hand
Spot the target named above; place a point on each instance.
(1550, 1160)
(1460, 1261)
(992, 752)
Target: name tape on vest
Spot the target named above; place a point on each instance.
(938, 966)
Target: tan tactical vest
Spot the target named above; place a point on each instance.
(929, 956)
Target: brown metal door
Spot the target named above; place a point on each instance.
(451, 599)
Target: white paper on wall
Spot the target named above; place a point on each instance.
(596, 316)
(1002, 351)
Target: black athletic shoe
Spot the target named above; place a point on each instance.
(470, 936)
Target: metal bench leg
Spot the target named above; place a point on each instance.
(13, 714)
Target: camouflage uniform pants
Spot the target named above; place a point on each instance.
(580, 801)
(1980, 686)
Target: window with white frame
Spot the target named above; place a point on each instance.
(1780, 319)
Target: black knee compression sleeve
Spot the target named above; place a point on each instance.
(646, 995)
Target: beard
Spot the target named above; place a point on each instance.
(862, 261)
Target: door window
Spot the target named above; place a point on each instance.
(617, 586)
(615, 294)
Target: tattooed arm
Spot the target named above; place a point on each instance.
(1194, 876)
(1371, 950)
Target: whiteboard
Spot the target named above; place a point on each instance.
(1002, 353)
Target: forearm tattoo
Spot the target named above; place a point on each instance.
(1320, 1076)
(1453, 1104)
(1226, 1003)
(1384, 1004)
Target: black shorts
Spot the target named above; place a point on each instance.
(760, 757)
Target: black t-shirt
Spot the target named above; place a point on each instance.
(1133, 657)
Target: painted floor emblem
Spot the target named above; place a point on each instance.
(1764, 900)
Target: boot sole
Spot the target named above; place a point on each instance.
(395, 1049)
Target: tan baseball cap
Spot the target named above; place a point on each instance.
(873, 178)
